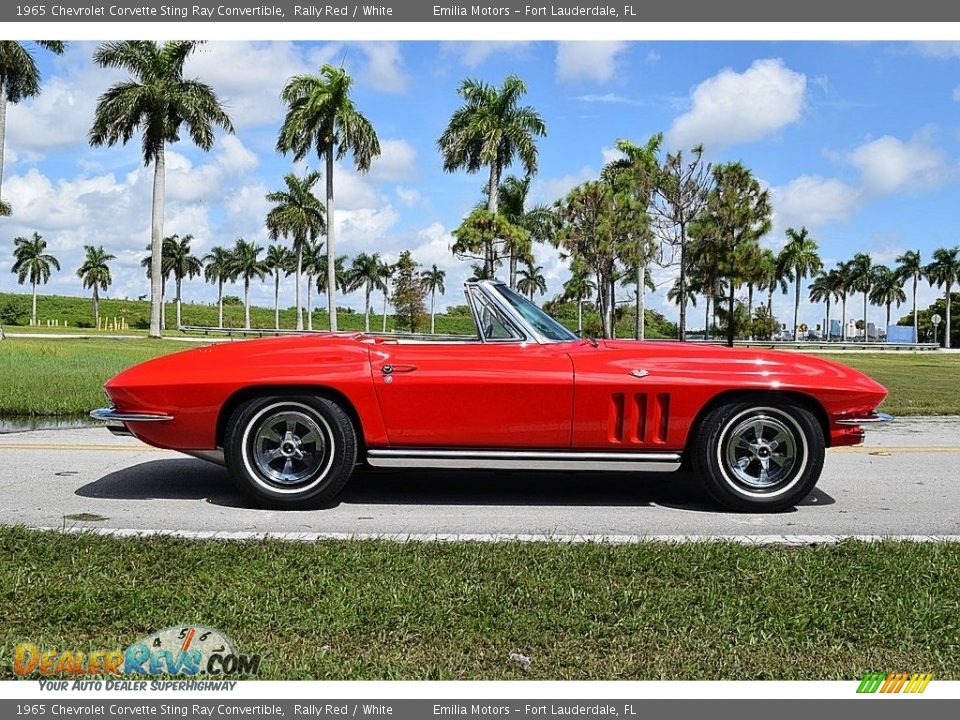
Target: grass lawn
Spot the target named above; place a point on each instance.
(457, 610)
(920, 383)
(64, 377)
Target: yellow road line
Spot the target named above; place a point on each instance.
(866, 450)
(61, 446)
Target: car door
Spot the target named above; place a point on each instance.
(474, 394)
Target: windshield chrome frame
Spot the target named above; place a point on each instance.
(490, 291)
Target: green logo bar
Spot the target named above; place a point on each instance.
(871, 682)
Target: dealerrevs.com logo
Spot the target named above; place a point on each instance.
(895, 682)
(190, 650)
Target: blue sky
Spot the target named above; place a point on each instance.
(858, 141)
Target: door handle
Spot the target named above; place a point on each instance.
(391, 369)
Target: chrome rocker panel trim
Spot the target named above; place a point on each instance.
(871, 419)
(111, 414)
(523, 460)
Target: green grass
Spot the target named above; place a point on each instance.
(923, 383)
(457, 610)
(64, 377)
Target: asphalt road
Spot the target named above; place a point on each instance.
(904, 481)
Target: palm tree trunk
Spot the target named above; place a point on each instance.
(96, 305)
(602, 305)
(613, 306)
(493, 199)
(513, 272)
(366, 308)
(33, 316)
(750, 309)
(246, 303)
(331, 256)
(770, 303)
(641, 276)
(796, 310)
(163, 300)
(3, 129)
(276, 299)
(179, 284)
(384, 311)
(731, 325)
(297, 278)
(156, 244)
(843, 321)
(886, 329)
(220, 303)
(309, 301)
(916, 327)
(683, 282)
(706, 317)
(826, 323)
(579, 316)
(866, 332)
(433, 302)
(946, 336)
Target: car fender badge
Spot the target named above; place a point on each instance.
(639, 373)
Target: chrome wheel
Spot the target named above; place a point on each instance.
(288, 447)
(761, 452)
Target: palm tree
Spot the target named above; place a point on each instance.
(801, 258)
(887, 289)
(340, 274)
(842, 283)
(537, 221)
(943, 272)
(95, 274)
(299, 214)
(158, 100)
(5, 209)
(147, 264)
(773, 277)
(321, 116)
(32, 261)
(822, 289)
(278, 258)
(578, 287)
(432, 282)
(860, 279)
(386, 275)
(245, 263)
(365, 273)
(489, 130)
(313, 264)
(911, 268)
(182, 264)
(531, 281)
(217, 268)
(19, 79)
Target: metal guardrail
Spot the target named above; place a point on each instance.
(277, 332)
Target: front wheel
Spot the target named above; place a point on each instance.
(292, 452)
(759, 457)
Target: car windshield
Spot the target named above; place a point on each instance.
(537, 318)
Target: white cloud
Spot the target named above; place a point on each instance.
(550, 189)
(473, 54)
(733, 107)
(384, 70)
(956, 93)
(652, 57)
(812, 200)
(407, 195)
(941, 50)
(248, 76)
(594, 61)
(610, 155)
(889, 164)
(397, 162)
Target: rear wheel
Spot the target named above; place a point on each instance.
(760, 456)
(292, 452)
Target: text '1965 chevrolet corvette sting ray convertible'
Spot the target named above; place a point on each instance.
(292, 416)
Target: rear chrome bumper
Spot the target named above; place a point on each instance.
(110, 414)
(870, 419)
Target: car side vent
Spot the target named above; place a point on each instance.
(638, 418)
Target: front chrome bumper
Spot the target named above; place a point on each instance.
(110, 414)
(870, 419)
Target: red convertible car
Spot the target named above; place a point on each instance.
(292, 416)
